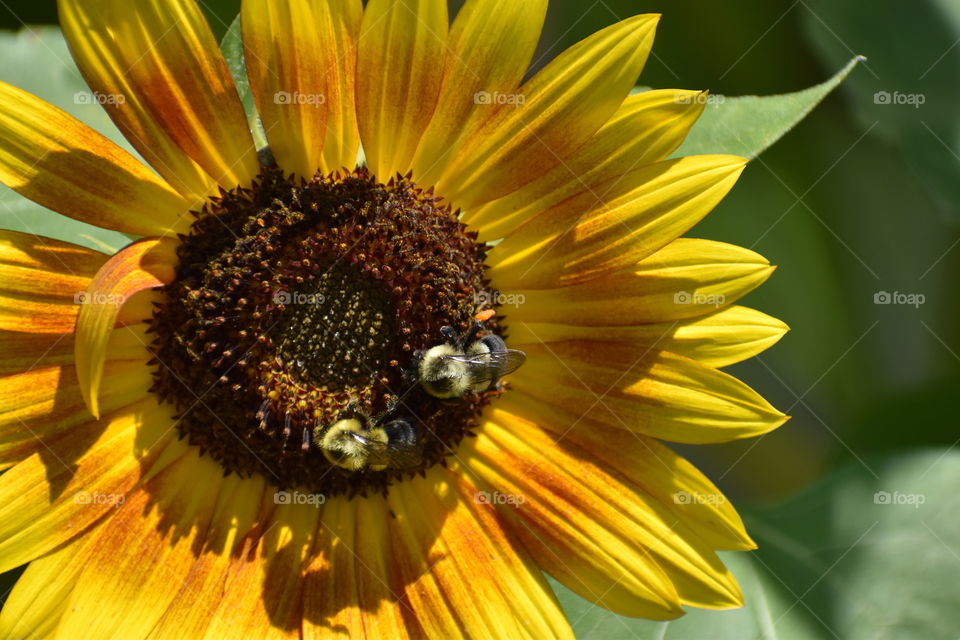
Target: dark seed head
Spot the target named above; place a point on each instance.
(294, 300)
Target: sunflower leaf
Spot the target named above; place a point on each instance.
(37, 59)
(910, 94)
(747, 125)
(869, 552)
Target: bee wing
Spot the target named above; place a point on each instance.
(393, 455)
(485, 367)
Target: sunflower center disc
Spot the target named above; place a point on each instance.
(295, 302)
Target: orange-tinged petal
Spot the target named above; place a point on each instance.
(56, 493)
(491, 45)
(57, 161)
(39, 282)
(463, 575)
(40, 406)
(438, 566)
(643, 462)
(582, 238)
(563, 106)
(290, 53)
(233, 527)
(39, 597)
(348, 589)
(143, 265)
(21, 352)
(262, 596)
(686, 279)
(651, 392)
(343, 136)
(38, 255)
(168, 88)
(716, 340)
(634, 540)
(647, 128)
(401, 48)
(141, 556)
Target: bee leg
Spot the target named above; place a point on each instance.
(450, 334)
(352, 410)
(467, 339)
(494, 343)
(495, 389)
(412, 373)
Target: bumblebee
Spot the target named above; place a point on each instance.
(465, 363)
(356, 442)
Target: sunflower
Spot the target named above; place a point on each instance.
(279, 411)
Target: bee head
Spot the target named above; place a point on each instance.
(341, 446)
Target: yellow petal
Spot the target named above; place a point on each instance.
(138, 562)
(40, 595)
(39, 281)
(26, 352)
(463, 573)
(647, 128)
(634, 540)
(262, 595)
(39, 406)
(686, 279)
(644, 462)
(350, 589)
(343, 137)
(159, 71)
(231, 534)
(291, 59)
(581, 238)
(491, 45)
(562, 107)
(21, 352)
(651, 392)
(144, 264)
(402, 46)
(591, 562)
(58, 492)
(715, 340)
(57, 161)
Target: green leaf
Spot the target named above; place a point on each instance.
(765, 604)
(232, 48)
(747, 125)
(37, 60)
(870, 552)
(910, 95)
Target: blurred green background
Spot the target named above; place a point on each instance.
(863, 197)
